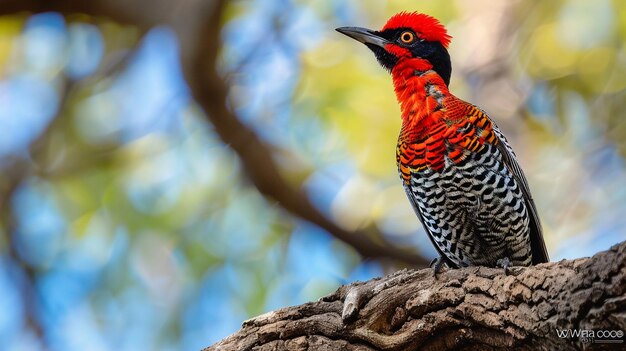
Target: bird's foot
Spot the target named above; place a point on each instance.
(504, 263)
(437, 264)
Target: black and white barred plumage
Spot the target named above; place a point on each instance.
(479, 211)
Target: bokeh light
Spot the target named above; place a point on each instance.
(136, 227)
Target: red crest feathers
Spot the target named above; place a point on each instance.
(425, 26)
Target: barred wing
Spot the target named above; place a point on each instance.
(538, 246)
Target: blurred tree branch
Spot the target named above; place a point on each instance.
(17, 170)
(211, 92)
(198, 24)
(474, 308)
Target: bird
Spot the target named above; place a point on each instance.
(458, 170)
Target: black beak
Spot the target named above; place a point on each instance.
(364, 35)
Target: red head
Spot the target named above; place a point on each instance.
(407, 35)
(426, 27)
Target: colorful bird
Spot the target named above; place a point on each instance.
(458, 170)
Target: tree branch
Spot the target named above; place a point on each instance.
(17, 170)
(198, 25)
(474, 308)
(211, 92)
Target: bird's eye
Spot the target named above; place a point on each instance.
(407, 37)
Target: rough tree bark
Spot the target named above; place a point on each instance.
(473, 308)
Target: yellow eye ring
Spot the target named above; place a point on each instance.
(407, 37)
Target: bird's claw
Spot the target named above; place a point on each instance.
(504, 263)
(437, 264)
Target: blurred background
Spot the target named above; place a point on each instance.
(168, 171)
